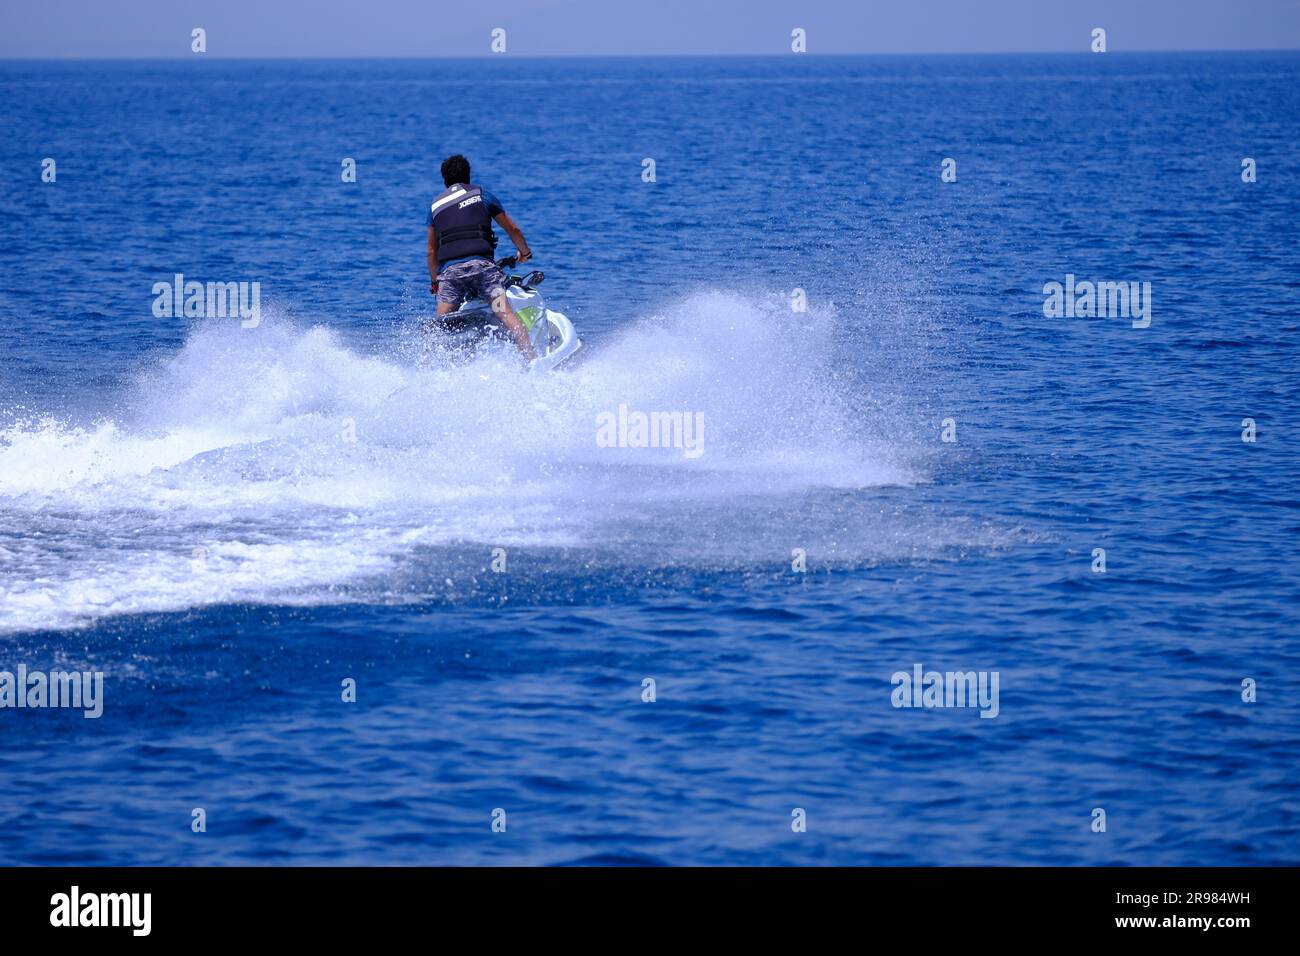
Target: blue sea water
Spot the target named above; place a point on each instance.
(180, 508)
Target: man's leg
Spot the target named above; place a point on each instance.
(492, 287)
(451, 291)
(507, 317)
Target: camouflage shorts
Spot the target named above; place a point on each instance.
(471, 279)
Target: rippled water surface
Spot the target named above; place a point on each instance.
(181, 506)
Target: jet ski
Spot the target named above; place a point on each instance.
(461, 333)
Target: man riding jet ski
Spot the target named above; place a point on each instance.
(464, 278)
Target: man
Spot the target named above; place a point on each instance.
(461, 243)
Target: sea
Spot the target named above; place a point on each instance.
(354, 601)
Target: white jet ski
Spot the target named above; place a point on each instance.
(459, 334)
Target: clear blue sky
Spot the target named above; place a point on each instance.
(309, 28)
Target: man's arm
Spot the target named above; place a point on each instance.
(433, 260)
(516, 236)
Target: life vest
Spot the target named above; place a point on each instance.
(461, 224)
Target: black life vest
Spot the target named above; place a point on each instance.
(461, 224)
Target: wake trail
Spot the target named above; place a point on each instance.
(277, 464)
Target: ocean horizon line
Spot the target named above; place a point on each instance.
(652, 56)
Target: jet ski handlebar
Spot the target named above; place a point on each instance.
(533, 278)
